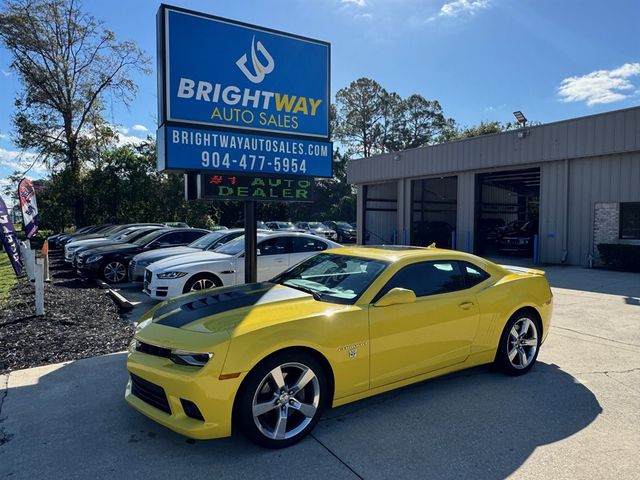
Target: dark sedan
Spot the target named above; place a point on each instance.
(128, 235)
(345, 231)
(111, 262)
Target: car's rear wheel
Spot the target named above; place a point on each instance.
(519, 344)
(201, 282)
(282, 399)
(114, 271)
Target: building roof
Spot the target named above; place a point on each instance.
(594, 135)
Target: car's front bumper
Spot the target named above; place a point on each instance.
(202, 387)
(159, 289)
(136, 271)
(87, 270)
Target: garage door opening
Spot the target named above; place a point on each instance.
(507, 213)
(434, 211)
(380, 216)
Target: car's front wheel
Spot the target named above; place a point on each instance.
(519, 344)
(282, 399)
(114, 271)
(201, 282)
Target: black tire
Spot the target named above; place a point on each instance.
(206, 281)
(261, 387)
(114, 271)
(518, 349)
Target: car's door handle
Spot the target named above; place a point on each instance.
(466, 305)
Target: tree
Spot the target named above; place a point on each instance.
(424, 122)
(484, 128)
(359, 108)
(68, 63)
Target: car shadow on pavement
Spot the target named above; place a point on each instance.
(74, 423)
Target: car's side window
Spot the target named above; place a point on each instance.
(172, 238)
(189, 237)
(427, 278)
(473, 274)
(275, 246)
(306, 245)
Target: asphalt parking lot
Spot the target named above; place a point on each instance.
(576, 415)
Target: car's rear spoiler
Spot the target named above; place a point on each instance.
(530, 271)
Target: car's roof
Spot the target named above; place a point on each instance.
(397, 252)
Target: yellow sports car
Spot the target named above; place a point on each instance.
(343, 325)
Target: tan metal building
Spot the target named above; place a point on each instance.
(551, 192)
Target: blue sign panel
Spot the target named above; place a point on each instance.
(223, 151)
(225, 74)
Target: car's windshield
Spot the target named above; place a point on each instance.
(333, 278)
(315, 225)
(282, 225)
(120, 236)
(204, 242)
(150, 237)
(344, 225)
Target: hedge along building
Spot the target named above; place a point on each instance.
(552, 192)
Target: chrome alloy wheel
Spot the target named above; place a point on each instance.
(523, 343)
(286, 401)
(115, 272)
(202, 284)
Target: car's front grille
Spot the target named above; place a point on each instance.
(153, 350)
(150, 393)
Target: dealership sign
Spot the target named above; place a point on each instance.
(265, 188)
(229, 91)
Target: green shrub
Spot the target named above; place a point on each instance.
(620, 256)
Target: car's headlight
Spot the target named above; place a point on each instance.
(94, 258)
(171, 275)
(193, 359)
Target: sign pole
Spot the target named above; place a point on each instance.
(250, 242)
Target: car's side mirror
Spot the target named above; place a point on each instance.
(258, 253)
(396, 296)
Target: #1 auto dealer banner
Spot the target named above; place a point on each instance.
(27, 195)
(10, 239)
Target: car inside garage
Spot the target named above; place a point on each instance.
(507, 212)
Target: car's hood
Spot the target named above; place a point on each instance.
(84, 236)
(98, 244)
(190, 258)
(236, 310)
(86, 241)
(155, 255)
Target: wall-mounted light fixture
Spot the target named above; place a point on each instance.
(522, 122)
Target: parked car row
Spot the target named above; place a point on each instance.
(170, 261)
(104, 251)
(342, 232)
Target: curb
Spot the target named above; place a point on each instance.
(122, 302)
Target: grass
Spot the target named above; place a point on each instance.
(7, 276)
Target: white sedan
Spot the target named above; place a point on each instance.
(225, 266)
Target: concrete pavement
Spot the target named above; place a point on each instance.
(576, 415)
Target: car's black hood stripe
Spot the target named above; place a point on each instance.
(179, 314)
